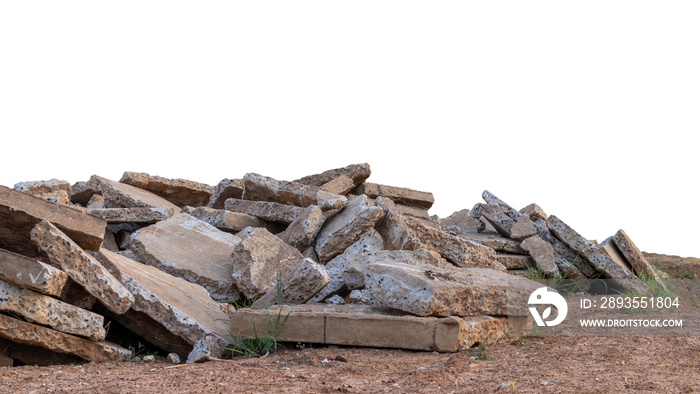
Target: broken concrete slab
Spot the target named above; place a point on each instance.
(608, 246)
(346, 227)
(418, 214)
(340, 186)
(329, 201)
(225, 220)
(20, 212)
(491, 199)
(302, 232)
(31, 274)
(355, 278)
(185, 309)
(597, 259)
(635, 257)
(297, 287)
(361, 325)
(427, 290)
(543, 253)
(515, 261)
(81, 267)
(97, 201)
(498, 219)
(41, 309)
(259, 260)
(129, 196)
(53, 190)
(369, 241)
(523, 229)
(262, 188)
(461, 219)
(570, 264)
(33, 355)
(394, 228)
(535, 212)
(180, 192)
(82, 192)
(227, 188)
(400, 195)
(34, 335)
(357, 172)
(191, 249)
(132, 215)
(270, 211)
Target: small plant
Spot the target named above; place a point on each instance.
(520, 339)
(261, 344)
(141, 350)
(481, 353)
(4, 350)
(511, 384)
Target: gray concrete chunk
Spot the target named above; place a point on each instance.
(180, 192)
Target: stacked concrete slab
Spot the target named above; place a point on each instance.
(529, 242)
(86, 268)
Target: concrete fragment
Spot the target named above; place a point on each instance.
(82, 192)
(53, 190)
(515, 261)
(259, 260)
(329, 201)
(357, 172)
(599, 260)
(419, 214)
(543, 254)
(97, 201)
(81, 267)
(341, 185)
(270, 211)
(491, 199)
(394, 228)
(427, 290)
(31, 274)
(6, 361)
(191, 249)
(346, 227)
(361, 325)
(227, 188)
(129, 196)
(225, 220)
(110, 242)
(359, 297)
(535, 212)
(355, 278)
(20, 212)
(185, 309)
(297, 287)
(34, 335)
(172, 358)
(180, 192)
(262, 188)
(570, 264)
(461, 219)
(400, 195)
(608, 247)
(42, 309)
(477, 210)
(370, 241)
(498, 219)
(523, 229)
(635, 257)
(302, 232)
(211, 346)
(335, 300)
(132, 215)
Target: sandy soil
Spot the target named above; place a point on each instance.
(583, 364)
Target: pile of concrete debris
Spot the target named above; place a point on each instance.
(88, 270)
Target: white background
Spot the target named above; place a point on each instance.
(590, 109)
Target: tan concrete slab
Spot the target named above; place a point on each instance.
(302, 232)
(34, 335)
(20, 212)
(341, 185)
(42, 309)
(263, 188)
(357, 172)
(132, 215)
(31, 274)
(360, 325)
(81, 267)
(129, 196)
(635, 257)
(515, 261)
(400, 195)
(191, 249)
(185, 309)
(53, 190)
(270, 211)
(227, 188)
(180, 192)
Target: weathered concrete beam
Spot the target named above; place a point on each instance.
(225, 220)
(359, 325)
(130, 196)
(270, 211)
(227, 188)
(81, 267)
(302, 232)
(357, 172)
(31, 274)
(400, 195)
(132, 215)
(180, 192)
(20, 212)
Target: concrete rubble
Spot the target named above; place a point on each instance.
(89, 270)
